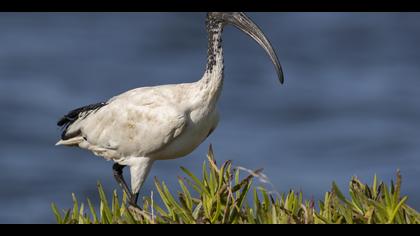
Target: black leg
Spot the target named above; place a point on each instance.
(118, 174)
(133, 199)
(118, 171)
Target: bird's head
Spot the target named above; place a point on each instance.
(246, 25)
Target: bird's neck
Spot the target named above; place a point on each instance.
(210, 85)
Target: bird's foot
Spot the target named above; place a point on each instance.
(135, 211)
(134, 206)
(133, 201)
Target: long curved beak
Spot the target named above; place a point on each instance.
(245, 24)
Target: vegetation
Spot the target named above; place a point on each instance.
(220, 196)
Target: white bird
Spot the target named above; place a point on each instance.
(146, 124)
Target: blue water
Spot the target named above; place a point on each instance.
(349, 106)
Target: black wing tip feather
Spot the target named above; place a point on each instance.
(73, 115)
(63, 121)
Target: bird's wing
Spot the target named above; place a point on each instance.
(128, 128)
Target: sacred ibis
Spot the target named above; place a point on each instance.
(146, 124)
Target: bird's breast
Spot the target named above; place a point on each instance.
(196, 131)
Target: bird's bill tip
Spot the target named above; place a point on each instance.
(281, 79)
(245, 24)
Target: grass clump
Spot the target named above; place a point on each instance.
(220, 196)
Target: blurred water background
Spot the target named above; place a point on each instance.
(349, 106)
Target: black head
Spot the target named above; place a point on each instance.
(246, 25)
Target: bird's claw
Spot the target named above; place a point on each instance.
(134, 206)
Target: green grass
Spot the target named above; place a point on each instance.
(221, 196)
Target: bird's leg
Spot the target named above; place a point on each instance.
(139, 169)
(133, 199)
(118, 174)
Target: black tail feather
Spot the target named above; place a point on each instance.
(79, 113)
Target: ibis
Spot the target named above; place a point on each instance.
(146, 124)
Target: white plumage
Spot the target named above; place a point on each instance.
(153, 123)
(146, 124)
